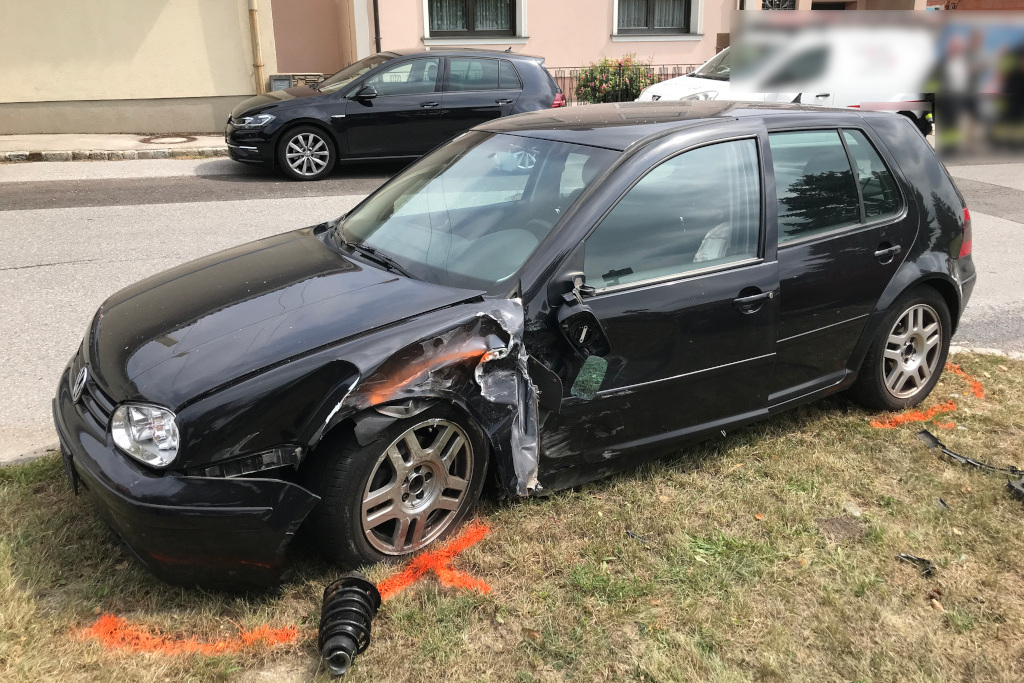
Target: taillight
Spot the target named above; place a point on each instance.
(559, 101)
(965, 244)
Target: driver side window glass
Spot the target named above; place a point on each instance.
(408, 78)
(699, 209)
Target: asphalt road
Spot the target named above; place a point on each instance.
(73, 233)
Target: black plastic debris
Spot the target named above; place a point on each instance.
(943, 504)
(350, 603)
(933, 442)
(1016, 487)
(926, 566)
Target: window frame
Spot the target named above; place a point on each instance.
(650, 29)
(696, 272)
(847, 229)
(471, 31)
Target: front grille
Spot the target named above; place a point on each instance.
(94, 404)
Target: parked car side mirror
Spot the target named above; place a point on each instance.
(367, 92)
(578, 323)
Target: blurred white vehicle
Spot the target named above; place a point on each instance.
(882, 69)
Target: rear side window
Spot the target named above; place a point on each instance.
(815, 184)
(508, 79)
(877, 186)
(470, 73)
(699, 209)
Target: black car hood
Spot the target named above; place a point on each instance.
(184, 332)
(275, 97)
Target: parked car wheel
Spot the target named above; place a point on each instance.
(906, 359)
(413, 485)
(306, 153)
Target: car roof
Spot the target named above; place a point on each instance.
(620, 125)
(480, 52)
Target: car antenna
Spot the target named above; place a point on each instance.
(508, 49)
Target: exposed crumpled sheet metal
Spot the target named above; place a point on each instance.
(471, 354)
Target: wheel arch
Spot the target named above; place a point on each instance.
(332, 139)
(365, 424)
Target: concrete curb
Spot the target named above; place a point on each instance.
(117, 155)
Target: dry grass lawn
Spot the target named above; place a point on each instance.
(766, 555)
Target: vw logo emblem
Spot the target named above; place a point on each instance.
(79, 385)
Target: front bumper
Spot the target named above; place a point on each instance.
(213, 532)
(251, 145)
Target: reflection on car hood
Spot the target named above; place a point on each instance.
(274, 97)
(191, 329)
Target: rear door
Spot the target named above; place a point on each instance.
(688, 301)
(843, 231)
(478, 89)
(404, 119)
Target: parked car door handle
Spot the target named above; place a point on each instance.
(824, 94)
(752, 303)
(429, 104)
(503, 101)
(886, 252)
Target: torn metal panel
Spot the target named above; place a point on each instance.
(471, 354)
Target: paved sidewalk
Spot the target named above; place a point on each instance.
(89, 147)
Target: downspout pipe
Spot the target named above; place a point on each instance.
(257, 51)
(376, 25)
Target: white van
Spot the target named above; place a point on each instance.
(881, 69)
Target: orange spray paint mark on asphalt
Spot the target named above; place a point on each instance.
(439, 562)
(914, 416)
(118, 633)
(974, 384)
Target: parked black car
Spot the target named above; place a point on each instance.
(549, 299)
(391, 105)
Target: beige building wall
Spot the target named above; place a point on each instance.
(113, 65)
(313, 36)
(564, 33)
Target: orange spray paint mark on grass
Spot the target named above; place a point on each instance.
(946, 425)
(974, 384)
(439, 562)
(914, 416)
(118, 633)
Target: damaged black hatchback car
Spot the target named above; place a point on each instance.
(545, 300)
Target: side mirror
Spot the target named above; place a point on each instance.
(579, 325)
(367, 92)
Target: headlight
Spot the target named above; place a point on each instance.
(147, 433)
(706, 95)
(257, 121)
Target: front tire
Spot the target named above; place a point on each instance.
(908, 354)
(417, 482)
(306, 153)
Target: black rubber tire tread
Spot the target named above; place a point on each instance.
(339, 469)
(298, 130)
(869, 390)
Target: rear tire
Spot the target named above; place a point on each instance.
(306, 153)
(908, 353)
(414, 484)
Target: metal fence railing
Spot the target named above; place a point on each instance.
(622, 82)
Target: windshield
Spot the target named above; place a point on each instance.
(470, 214)
(717, 68)
(353, 71)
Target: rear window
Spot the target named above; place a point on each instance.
(474, 73)
(877, 186)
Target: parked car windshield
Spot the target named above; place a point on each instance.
(717, 67)
(471, 213)
(353, 71)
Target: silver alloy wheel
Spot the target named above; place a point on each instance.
(307, 154)
(417, 487)
(912, 351)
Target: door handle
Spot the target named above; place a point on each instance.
(429, 104)
(824, 94)
(752, 303)
(886, 252)
(503, 101)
